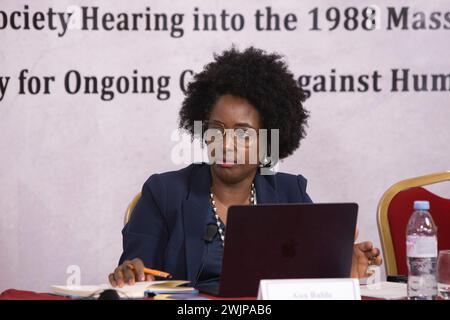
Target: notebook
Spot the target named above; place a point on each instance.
(138, 290)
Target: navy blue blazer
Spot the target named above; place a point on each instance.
(170, 219)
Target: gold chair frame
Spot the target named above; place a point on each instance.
(130, 208)
(384, 230)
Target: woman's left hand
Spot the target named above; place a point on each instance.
(364, 255)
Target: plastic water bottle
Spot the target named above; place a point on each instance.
(421, 253)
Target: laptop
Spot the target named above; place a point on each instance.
(285, 241)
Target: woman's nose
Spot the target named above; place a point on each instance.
(229, 139)
(228, 148)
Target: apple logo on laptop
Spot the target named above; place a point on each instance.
(288, 248)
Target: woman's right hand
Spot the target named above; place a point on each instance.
(129, 272)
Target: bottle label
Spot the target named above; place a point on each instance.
(421, 247)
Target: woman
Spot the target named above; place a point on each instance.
(234, 96)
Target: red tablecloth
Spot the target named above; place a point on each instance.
(13, 294)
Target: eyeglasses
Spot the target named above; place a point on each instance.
(242, 135)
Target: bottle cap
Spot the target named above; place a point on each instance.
(421, 205)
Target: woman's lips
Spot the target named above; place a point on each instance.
(226, 165)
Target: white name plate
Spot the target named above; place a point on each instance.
(309, 289)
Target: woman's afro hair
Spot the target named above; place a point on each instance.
(261, 78)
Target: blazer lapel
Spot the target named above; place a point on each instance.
(265, 189)
(195, 214)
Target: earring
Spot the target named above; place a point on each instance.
(264, 162)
